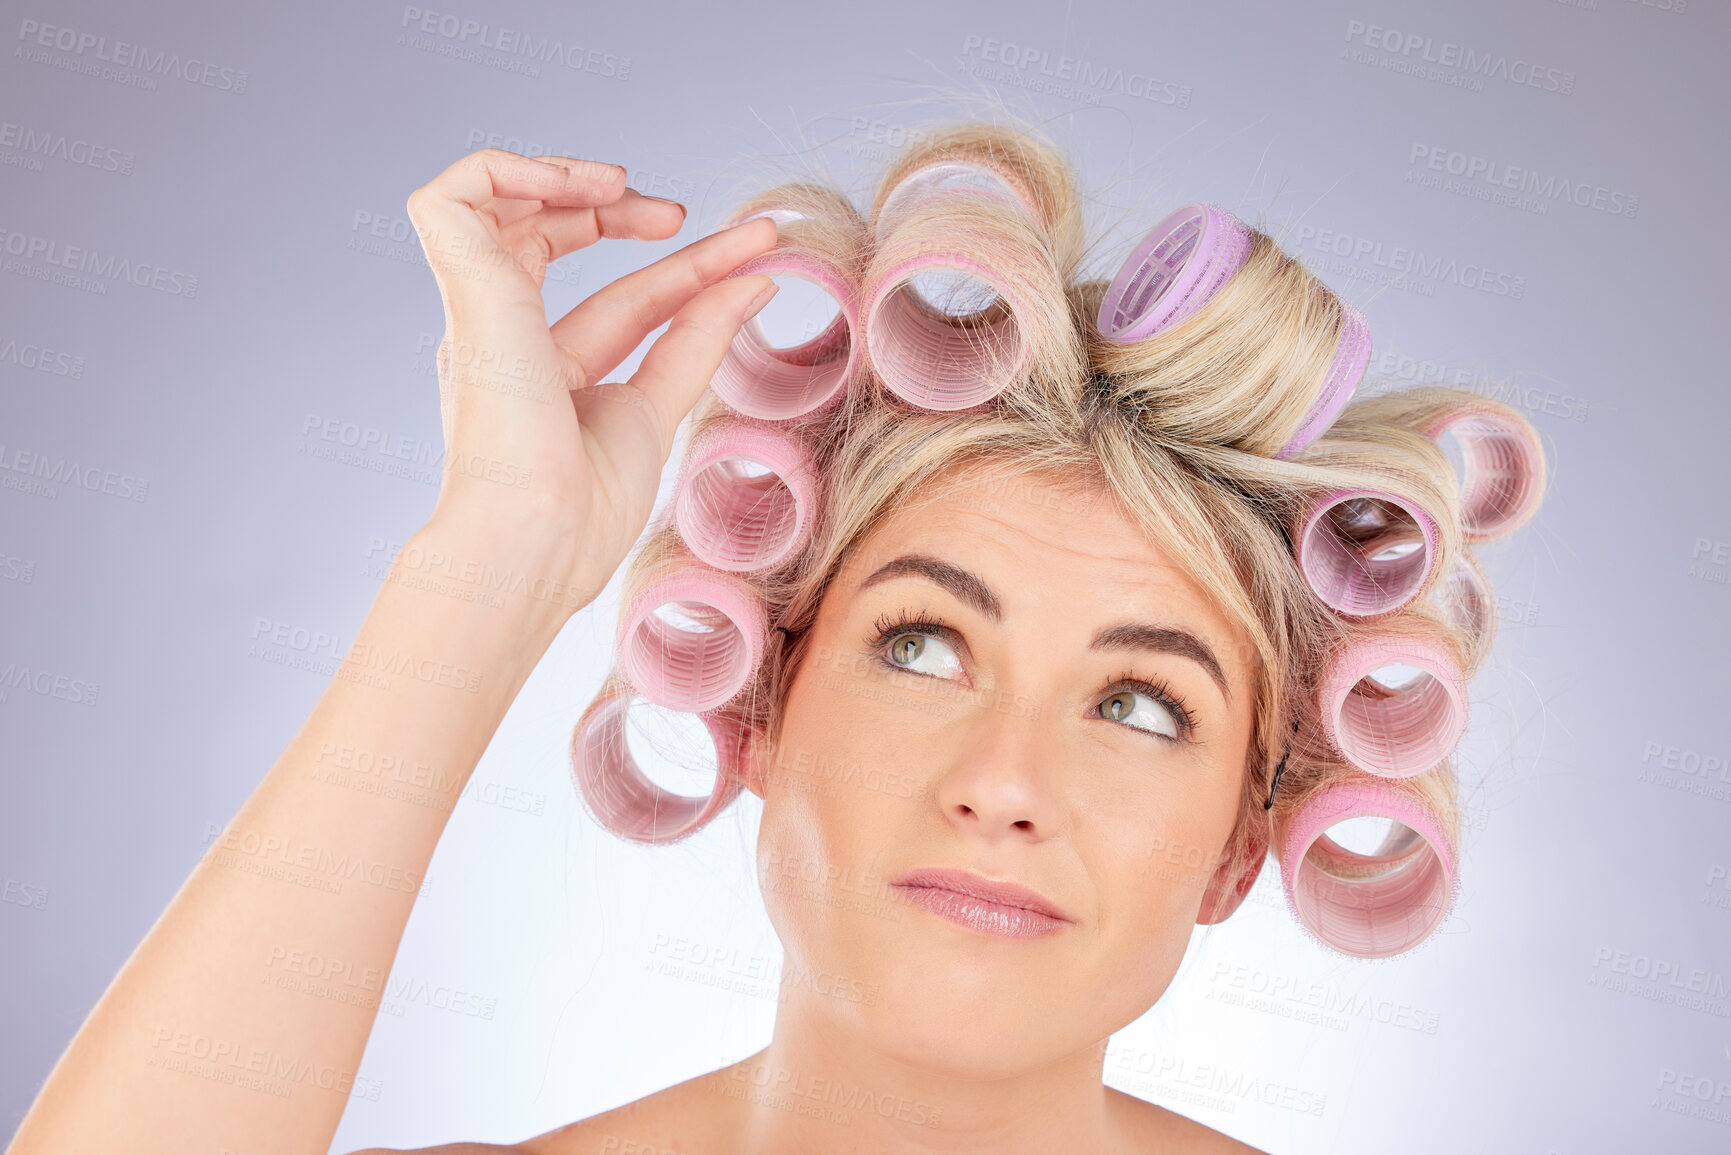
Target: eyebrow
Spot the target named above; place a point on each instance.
(968, 588)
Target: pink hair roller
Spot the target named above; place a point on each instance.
(1350, 550)
(945, 178)
(699, 666)
(929, 362)
(1368, 905)
(747, 497)
(778, 384)
(1351, 359)
(619, 795)
(1466, 600)
(1172, 272)
(1409, 730)
(1505, 468)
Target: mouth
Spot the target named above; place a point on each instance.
(1002, 909)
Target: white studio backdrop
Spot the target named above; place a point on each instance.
(218, 417)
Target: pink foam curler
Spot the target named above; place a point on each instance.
(1365, 552)
(1351, 359)
(1368, 905)
(622, 799)
(1172, 272)
(778, 384)
(945, 178)
(1410, 729)
(1505, 468)
(693, 639)
(746, 498)
(1466, 601)
(936, 363)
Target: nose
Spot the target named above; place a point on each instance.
(1003, 778)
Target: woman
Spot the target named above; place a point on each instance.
(1057, 640)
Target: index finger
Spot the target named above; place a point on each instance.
(602, 331)
(450, 211)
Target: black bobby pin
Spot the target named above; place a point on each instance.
(1275, 785)
(1279, 770)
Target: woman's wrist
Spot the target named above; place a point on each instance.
(513, 560)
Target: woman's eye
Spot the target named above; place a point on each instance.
(909, 650)
(1140, 711)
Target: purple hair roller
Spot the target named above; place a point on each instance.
(1365, 552)
(693, 639)
(1394, 733)
(1172, 272)
(746, 498)
(1368, 905)
(1180, 264)
(622, 799)
(1351, 359)
(778, 384)
(1504, 467)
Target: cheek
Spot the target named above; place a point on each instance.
(1150, 893)
(834, 805)
(1152, 860)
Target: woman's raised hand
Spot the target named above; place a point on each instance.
(537, 444)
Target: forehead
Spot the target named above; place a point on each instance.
(1047, 545)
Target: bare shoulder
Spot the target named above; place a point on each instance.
(1158, 1129)
(684, 1118)
(697, 1116)
(693, 1116)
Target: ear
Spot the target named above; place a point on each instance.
(1226, 890)
(751, 769)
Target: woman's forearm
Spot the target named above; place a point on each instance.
(209, 1037)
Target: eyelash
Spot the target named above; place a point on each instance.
(891, 626)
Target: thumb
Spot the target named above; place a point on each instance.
(675, 371)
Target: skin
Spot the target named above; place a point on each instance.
(1017, 776)
(1003, 1039)
(1020, 774)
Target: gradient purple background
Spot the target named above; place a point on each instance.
(1506, 1031)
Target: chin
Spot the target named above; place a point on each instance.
(961, 1003)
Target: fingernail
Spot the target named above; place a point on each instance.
(664, 201)
(753, 221)
(758, 302)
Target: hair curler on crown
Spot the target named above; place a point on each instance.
(1024, 175)
(1351, 359)
(1465, 599)
(692, 639)
(1172, 271)
(1394, 732)
(762, 381)
(1504, 470)
(747, 496)
(965, 348)
(1366, 552)
(1368, 905)
(945, 177)
(619, 795)
(820, 239)
(1177, 268)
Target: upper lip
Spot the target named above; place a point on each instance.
(979, 886)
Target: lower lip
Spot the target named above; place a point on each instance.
(978, 914)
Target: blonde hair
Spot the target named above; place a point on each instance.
(1178, 428)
